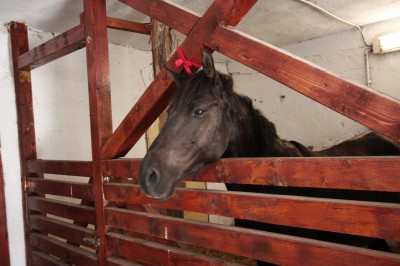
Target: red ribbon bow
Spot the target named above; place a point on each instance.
(183, 61)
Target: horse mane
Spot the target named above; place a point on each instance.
(264, 132)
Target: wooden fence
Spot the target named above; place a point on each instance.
(110, 226)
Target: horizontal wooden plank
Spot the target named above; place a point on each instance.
(365, 106)
(73, 233)
(61, 45)
(121, 168)
(78, 213)
(43, 259)
(60, 188)
(271, 247)
(356, 173)
(150, 253)
(114, 261)
(65, 252)
(342, 216)
(126, 25)
(58, 167)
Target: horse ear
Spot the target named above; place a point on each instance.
(179, 78)
(208, 65)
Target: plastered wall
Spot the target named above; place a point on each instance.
(299, 118)
(61, 108)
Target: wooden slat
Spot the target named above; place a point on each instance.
(357, 173)
(53, 49)
(58, 167)
(72, 233)
(4, 250)
(98, 69)
(125, 168)
(114, 261)
(65, 252)
(369, 108)
(150, 253)
(156, 97)
(79, 213)
(60, 188)
(343, 216)
(40, 258)
(275, 248)
(126, 25)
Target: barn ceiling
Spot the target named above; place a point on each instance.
(279, 22)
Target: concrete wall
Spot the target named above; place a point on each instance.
(61, 110)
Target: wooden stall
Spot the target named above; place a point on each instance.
(123, 235)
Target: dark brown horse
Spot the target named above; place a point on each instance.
(207, 120)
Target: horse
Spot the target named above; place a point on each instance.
(207, 121)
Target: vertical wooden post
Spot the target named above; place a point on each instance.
(4, 250)
(95, 20)
(162, 49)
(26, 129)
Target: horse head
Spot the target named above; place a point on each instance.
(196, 132)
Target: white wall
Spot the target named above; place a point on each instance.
(299, 118)
(61, 109)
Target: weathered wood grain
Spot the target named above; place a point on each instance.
(72, 233)
(43, 259)
(181, 20)
(75, 212)
(59, 46)
(58, 167)
(343, 216)
(126, 25)
(357, 173)
(150, 253)
(25, 116)
(114, 261)
(97, 58)
(271, 247)
(65, 252)
(77, 190)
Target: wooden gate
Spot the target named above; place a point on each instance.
(123, 235)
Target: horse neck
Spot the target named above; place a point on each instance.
(253, 135)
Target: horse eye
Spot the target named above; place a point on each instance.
(199, 112)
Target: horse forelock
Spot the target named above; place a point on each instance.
(198, 85)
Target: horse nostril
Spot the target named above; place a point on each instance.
(153, 177)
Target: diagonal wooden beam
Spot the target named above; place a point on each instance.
(53, 49)
(157, 96)
(181, 21)
(360, 104)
